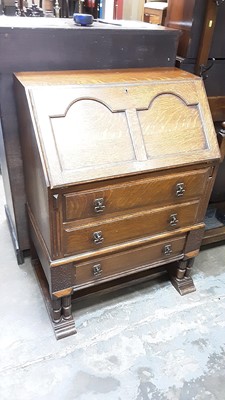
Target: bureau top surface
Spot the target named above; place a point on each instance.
(94, 125)
(91, 77)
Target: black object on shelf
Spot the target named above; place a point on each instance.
(34, 11)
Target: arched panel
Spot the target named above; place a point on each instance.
(87, 134)
(169, 127)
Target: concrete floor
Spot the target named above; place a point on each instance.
(143, 343)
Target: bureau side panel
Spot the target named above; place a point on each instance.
(36, 186)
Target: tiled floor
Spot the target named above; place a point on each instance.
(145, 342)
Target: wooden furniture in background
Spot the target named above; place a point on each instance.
(60, 45)
(201, 50)
(133, 10)
(118, 176)
(202, 41)
(155, 12)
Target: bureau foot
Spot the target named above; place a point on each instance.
(181, 279)
(59, 309)
(62, 319)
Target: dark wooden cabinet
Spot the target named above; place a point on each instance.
(189, 16)
(201, 47)
(119, 166)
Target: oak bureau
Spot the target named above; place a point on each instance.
(119, 166)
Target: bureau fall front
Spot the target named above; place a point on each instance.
(119, 167)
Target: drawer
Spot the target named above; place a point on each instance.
(134, 195)
(118, 230)
(123, 263)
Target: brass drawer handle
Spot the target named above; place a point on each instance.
(173, 221)
(97, 270)
(167, 249)
(180, 189)
(97, 237)
(99, 205)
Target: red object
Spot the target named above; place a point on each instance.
(118, 9)
(90, 3)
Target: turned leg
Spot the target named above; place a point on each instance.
(62, 318)
(66, 307)
(56, 310)
(181, 276)
(181, 270)
(56, 285)
(189, 266)
(181, 279)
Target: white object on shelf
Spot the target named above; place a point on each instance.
(108, 9)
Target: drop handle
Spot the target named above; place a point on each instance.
(98, 237)
(99, 205)
(167, 249)
(97, 270)
(173, 220)
(180, 189)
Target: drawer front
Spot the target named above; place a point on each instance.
(134, 195)
(127, 262)
(106, 233)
